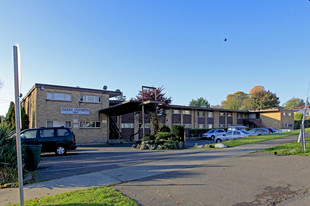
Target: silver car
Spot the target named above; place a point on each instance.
(211, 134)
(259, 131)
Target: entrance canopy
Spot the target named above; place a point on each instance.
(129, 106)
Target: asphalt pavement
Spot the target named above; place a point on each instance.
(209, 177)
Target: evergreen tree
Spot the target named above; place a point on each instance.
(200, 102)
(10, 117)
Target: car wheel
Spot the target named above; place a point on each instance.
(218, 141)
(212, 137)
(60, 150)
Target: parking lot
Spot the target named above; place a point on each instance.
(96, 158)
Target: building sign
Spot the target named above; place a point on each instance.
(69, 110)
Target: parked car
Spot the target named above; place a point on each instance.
(238, 127)
(211, 134)
(232, 135)
(261, 131)
(52, 139)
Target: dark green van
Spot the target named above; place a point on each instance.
(52, 139)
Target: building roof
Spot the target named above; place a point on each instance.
(206, 109)
(67, 88)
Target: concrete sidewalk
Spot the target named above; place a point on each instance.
(136, 172)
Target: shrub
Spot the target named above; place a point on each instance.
(297, 124)
(149, 137)
(163, 135)
(165, 128)
(178, 131)
(8, 156)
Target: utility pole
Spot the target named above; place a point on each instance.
(16, 60)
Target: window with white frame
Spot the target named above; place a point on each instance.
(210, 114)
(130, 125)
(86, 124)
(289, 114)
(201, 114)
(186, 112)
(90, 99)
(176, 111)
(222, 113)
(58, 124)
(58, 96)
(222, 125)
(210, 126)
(229, 114)
(239, 116)
(201, 126)
(284, 114)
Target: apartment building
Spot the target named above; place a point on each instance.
(94, 118)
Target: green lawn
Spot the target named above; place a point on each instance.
(93, 196)
(292, 148)
(254, 139)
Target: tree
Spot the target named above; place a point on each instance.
(152, 110)
(298, 116)
(294, 102)
(149, 94)
(10, 117)
(235, 101)
(263, 100)
(257, 89)
(200, 102)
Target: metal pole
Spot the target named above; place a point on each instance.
(143, 127)
(16, 59)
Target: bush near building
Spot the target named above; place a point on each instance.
(297, 124)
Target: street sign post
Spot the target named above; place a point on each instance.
(16, 62)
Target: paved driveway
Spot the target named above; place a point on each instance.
(98, 158)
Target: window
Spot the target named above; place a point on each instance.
(62, 132)
(46, 133)
(89, 124)
(186, 112)
(201, 126)
(90, 99)
(210, 126)
(58, 96)
(252, 116)
(176, 111)
(239, 116)
(284, 114)
(222, 125)
(59, 124)
(229, 114)
(201, 114)
(222, 113)
(289, 114)
(29, 134)
(130, 125)
(187, 125)
(210, 114)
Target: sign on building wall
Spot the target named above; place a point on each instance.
(69, 110)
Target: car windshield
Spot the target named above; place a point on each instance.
(211, 131)
(229, 133)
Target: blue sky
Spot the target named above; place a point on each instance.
(177, 44)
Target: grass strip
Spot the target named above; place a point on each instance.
(292, 148)
(92, 196)
(254, 139)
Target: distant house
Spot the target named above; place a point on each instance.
(94, 118)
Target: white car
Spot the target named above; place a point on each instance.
(232, 135)
(213, 133)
